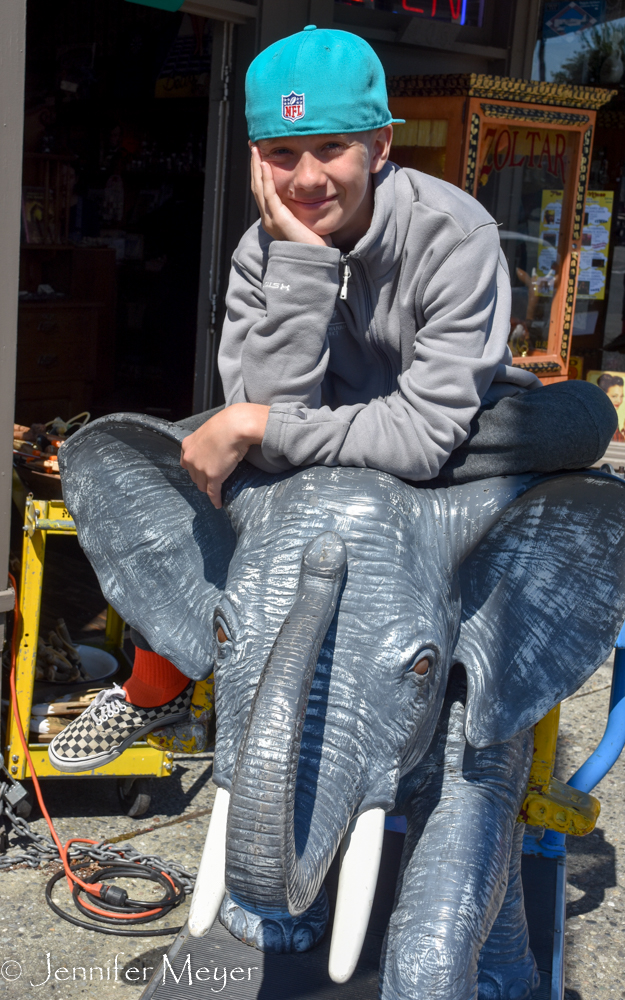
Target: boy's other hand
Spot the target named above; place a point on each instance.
(276, 218)
(215, 449)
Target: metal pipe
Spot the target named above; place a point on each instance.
(610, 747)
(219, 209)
(45, 524)
(210, 294)
(607, 753)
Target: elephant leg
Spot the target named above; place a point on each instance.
(507, 970)
(456, 861)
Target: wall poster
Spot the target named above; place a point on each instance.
(593, 260)
(613, 384)
(549, 235)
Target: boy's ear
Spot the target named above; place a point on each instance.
(381, 148)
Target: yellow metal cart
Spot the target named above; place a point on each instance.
(138, 762)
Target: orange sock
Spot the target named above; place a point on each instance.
(154, 680)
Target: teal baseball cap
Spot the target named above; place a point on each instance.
(317, 82)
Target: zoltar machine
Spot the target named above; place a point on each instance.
(523, 149)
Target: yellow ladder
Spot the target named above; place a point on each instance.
(43, 518)
(549, 802)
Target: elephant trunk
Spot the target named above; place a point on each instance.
(263, 871)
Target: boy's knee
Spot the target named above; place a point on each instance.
(578, 417)
(565, 425)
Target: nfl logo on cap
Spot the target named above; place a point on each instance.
(293, 106)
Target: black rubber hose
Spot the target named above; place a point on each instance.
(174, 896)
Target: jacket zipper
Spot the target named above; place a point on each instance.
(346, 276)
(370, 324)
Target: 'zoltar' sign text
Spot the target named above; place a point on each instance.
(504, 146)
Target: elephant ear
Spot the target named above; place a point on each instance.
(543, 599)
(159, 548)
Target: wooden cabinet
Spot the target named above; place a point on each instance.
(56, 359)
(65, 346)
(57, 342)
(522, 148)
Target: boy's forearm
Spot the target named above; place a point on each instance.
(284, 356)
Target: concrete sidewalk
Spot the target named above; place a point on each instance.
(175, 828)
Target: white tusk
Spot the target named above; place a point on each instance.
(360, 864)
(210, 885)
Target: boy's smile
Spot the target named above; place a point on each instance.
(326, 180)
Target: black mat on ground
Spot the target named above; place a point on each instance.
(195, 966)
(539, 887)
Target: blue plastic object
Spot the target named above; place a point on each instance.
(607, 753)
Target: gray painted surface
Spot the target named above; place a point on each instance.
(229, 208)
(518, 579)
(12, 44)
(523, 39)
(213, 266)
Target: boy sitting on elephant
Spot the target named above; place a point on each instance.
(369, 308)
(368, 316)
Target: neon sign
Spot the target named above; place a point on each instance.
(470, 12)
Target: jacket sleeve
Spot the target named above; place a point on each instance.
(464, 321)
(274, 345)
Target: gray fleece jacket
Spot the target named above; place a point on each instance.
(381, 357)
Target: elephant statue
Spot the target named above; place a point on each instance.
(377, 646)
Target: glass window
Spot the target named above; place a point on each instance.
(583, 43)
(524, 173)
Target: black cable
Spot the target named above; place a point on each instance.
(127, 869)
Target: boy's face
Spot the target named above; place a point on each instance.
(325, 180)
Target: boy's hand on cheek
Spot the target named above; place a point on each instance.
(276, 218)
(215, 449)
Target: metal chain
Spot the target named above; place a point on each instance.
(42, 850)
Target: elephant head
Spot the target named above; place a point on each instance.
(331, 604)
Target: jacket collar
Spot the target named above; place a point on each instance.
(382, 245)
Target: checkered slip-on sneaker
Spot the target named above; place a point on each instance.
(109, 726)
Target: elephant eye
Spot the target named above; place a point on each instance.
(422, 663)
(221, 632)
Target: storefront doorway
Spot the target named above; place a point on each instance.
(113, 185)
(128, 224)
